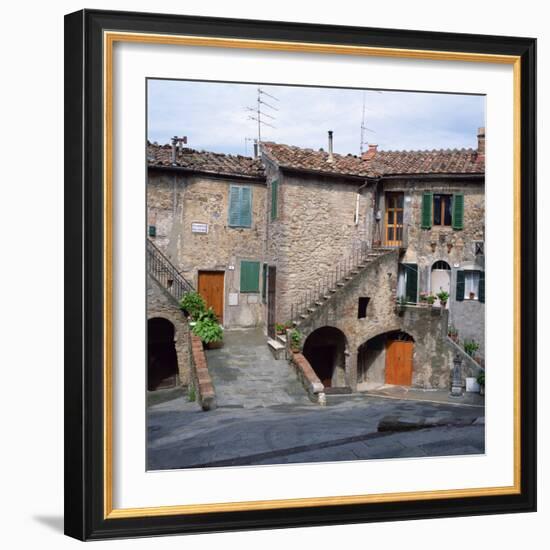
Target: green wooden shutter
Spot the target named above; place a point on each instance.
(264, 283)
(460, 286)
(411, 287)
(250, 276)
(246, 207)
(481, 290)
(427, 201)
(458, 211)
(234, 206)
(274, 198)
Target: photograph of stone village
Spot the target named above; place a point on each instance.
(315, 275)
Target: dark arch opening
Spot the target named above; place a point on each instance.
(325, 349)
(162, 359)
(441, 264)
(385, 359)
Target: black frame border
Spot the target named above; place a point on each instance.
(84, 489)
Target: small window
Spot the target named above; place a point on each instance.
(152, 231)
(240, 206)
(479, 248)
(362, 311)
(470, 285)
(250, 276)
(442, 210)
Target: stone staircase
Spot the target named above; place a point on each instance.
(335, 281)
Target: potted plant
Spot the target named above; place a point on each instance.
(280, 328)
(472, 295)
(481, 382)
(209, 330)
(423, 299)
(470, 347)
(192, 304)
(295, 340)
(430, 298)
(443, 297)
(453, 333)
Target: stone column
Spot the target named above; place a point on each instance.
(351, 369)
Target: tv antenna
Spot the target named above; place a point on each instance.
(258, 113)
(364, 128)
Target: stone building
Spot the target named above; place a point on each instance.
(331, 242)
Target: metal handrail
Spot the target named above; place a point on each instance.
(165, 273)
(329, 281)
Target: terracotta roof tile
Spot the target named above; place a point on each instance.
(205, 161)
(441, 161)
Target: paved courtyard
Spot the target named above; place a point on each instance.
(264, 417)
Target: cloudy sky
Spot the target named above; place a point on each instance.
(213, 116)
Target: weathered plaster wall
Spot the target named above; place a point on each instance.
(174, 202)
(161, 304)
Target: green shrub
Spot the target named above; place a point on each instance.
(470, 347)
(191, 393)
(295, 339)
(481, 379)
(443, 296)
(207, 327)
(193, 304)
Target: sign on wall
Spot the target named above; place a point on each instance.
(198, 227)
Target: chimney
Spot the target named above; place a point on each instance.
(174, 145)
(481, 142)
(330, 155)
(369, 154)
(256, 151)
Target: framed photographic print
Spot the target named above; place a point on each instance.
(292, 253)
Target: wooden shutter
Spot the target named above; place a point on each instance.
(458, 211)
(460, 286)
(234, 206)
(481, 290)
(411, 287)
(246, 207)
(274, 198)
(250, 276)
(427, 201)
(264, 284)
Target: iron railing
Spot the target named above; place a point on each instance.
(332, 280)
(165, 273)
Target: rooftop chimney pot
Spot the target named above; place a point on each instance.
(481, 142)
(370, 152)
(330, 155)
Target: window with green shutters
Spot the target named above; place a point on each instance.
(458, 211)
(427, 199)
(250, 276)
(274, 199)
(481, 291)
(264, 284)
(240, 206)
(411, 282)
(460, 283)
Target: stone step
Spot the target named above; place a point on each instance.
(282, 338)
(276, 348)
(311, 309)
(340, 284)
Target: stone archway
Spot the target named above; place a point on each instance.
(326, 350)
(386, 358)
(440, 278)
(162, 358)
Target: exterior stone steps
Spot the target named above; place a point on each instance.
(276, 348)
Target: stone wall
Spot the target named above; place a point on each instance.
(456, 247)
(175, 201)
(432, 359)
(161, 304)
(315, 229)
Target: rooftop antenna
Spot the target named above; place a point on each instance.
(364, 128)
(258, 113)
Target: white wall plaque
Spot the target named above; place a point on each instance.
(233, 299)
(198, 227)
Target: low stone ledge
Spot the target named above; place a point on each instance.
(206, 394)
(309, 379)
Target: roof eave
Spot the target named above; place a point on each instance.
(192, 171)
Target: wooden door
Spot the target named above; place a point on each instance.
(211, 289)
(399, 362)
(271, 285)
(394, 219)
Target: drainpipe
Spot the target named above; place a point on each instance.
(361, 187)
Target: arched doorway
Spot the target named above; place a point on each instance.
(441, 278)
(385, 359)
(325, 350)
(162, 360)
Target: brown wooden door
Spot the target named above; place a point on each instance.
(271, 286)
(211, 289)
(399, 362)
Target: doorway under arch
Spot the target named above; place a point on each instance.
(385, 359)
(162, 359)
(325, 349)
(440, 279)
